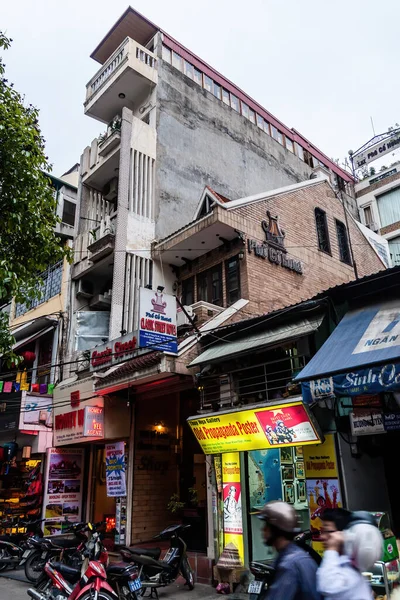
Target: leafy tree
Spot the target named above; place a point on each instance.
(28, 244)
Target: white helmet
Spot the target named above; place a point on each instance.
(363, 544)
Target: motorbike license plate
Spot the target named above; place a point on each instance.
(135, 585)
(44, 554)
(26, 553)
(255, 587)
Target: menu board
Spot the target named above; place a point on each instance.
(63, 489)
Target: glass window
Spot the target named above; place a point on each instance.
(343, 241)
(289, 144)
(68, 215)
(189, 69)
(232, 267)
(299, 151)
(235, 103)
(367, 215)
(274, 132)
(209, 285)
(225, 96)
(394, 249)
(260, 122)
(308, 158)
(217, 90)
(188, 291)
(245, 110)
(198, 76)
(280, 137)
(176, 61)
(266, 127)
(208, 83)
(252, 115)
(166, 54)
(389, 207)
(322, 230)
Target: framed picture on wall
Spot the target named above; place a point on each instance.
(301, 491)
(287, 473)
(300, 473)
(286, 456)
(298, 451)
(289, 493)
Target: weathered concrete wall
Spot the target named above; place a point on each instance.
(201, 141)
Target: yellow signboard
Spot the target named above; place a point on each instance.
(258, 428)
(320, 461)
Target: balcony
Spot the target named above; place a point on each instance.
(93, 247)
(125, 79)
(50, 285)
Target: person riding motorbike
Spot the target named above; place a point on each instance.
(295, 570)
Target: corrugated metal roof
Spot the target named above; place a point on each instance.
(258, 340)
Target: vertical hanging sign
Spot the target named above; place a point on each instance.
(115, 470)
(232, 495)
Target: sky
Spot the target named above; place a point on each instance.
(322, 67)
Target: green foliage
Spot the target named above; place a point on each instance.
(175, 505)
(28, 244)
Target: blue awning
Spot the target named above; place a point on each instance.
(363, 338)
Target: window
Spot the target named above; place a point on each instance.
(217, 90)
(225, 97)
(367, 215)
(189, 69)
(232, 268)
(260, 122)
(266, 127)
(252, 116)
(208, 83)
(277, 135)
(207, 206)
(198, 76)
(68, 215)
(299, 151)
(322, 230)
(245, 110)
(176, 61)
(289, 145)
(188, 291)
(389, 207)
(308, 158)
(235, 103)
(343, 241)
(166, 54)
(394, 249)
(209, 285)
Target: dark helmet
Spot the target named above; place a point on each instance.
(280, 515)
(361, 516)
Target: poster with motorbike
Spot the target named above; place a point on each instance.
(63, 488)
(115, 470)
(287, 425)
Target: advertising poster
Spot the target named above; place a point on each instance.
(218, 472)
(256, 429)
(157, 321)
(63, 488)
(232, 501)
(322, 484)
(115, 470)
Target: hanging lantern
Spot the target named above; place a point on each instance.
(28, 356)
(26, 452)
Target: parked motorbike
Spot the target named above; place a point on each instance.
(264, 571)
(64, 548)
(13, 545)
(155, 573)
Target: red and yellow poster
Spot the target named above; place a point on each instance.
(323, 488)
(232, 495)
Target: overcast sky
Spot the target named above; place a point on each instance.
(323, 67)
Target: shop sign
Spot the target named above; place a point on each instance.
(63, 488)
(93, 425)
(392, 421)
(232, 498)
(114, 352)
(218, 472)
(379, 149)
(369, 423)
(36, 413)
(157, 321)
(115, 470)
(255, 429)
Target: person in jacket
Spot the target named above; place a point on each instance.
(337, 577)
(295, 570)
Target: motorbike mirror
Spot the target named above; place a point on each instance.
(90, 526)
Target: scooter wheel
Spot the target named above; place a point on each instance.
(3, 554)
(100, 596)
(34, 567)
(187, 573)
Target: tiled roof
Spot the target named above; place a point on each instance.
(136, 364)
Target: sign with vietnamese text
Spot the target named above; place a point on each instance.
(369, 423)
(93, 425)
(157, 321)
(115, 470)
(114, 352)
(382, 147)
(255, 429)
(392, 421)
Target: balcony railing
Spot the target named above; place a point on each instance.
(50, 286)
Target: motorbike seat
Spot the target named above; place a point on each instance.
(119, 569)
(152, 552)
(148, 561)
(72, 575)
(63, 542)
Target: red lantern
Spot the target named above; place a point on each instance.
(28, 356)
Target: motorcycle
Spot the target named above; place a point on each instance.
(264, 571)
(155, 573)
(13, 546)
(60, 581)
(63, 547)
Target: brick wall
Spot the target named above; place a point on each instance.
(377, 185)
(390, 228)
(268, 286)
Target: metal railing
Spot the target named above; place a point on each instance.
(109, 69)
(50, 286)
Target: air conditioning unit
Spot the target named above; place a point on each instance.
(181, 318)
(110, 190)
(373, 227)
(227, 396)
(84, 289)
